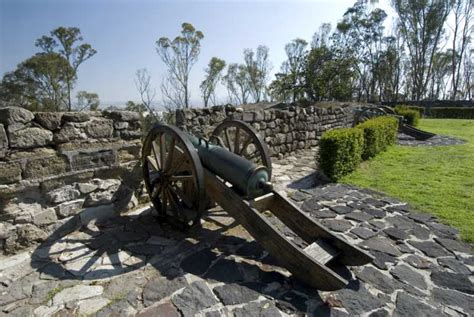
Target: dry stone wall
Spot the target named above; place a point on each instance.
(285, 129)
(64, 167)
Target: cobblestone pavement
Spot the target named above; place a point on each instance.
(436, 140)
(130, 265)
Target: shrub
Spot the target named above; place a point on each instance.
(453, 112)
(421, 110)
(379, 133)
(411, 116)
(340, 151)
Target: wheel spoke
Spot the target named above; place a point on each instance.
(156, 152)
(156, 191)
(237, 140)
(163, 151)
(169, 159)
(176, 178)
(153, 163)
(246, 143)
(164, 201)
(227, 138)
(179, 193)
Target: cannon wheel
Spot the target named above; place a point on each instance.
(370, 112)
(242, 139)
(173, 175)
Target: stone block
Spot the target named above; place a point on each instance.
(121, 125)
(248, 116)
(29, 233)
(86, 160)
(3, 142)
(131, 134)
(30, 138)
(10, 172)
(76, 116)
(63, 194)
(69, 208)
(15, 115)
(45, 217)
(128, 116)
(98, 213)
(69, 132)
(100, 128)
(49, 120)
(46, 166)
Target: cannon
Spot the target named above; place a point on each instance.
(184, 173)
(365, 113)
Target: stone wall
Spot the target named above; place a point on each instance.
(285, 128)
(64, 167)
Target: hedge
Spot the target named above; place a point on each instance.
(340, 151)
(421, 110)
(379, 133)
(453, 112)
(411, 116)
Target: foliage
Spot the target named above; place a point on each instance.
(410, 116)
(421, 24)
(289, 83)
(421, 110)
(340, 151)
(66, 41)
(237, 83)
(452, 112)
(328, 76)
(213, 76)
(258, 69)
(87, 100)
(39, 83)
(179, 56)
(379, 133)
(435, 179)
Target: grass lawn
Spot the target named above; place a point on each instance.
(438, 180)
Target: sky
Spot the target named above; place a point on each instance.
(124, 33)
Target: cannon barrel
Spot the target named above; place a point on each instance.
(246, 177)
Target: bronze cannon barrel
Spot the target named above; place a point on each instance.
(249, 179)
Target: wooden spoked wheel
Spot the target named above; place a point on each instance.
(173, 176)
(367, 113)
(242, 139)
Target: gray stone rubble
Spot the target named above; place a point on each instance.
(130, 265)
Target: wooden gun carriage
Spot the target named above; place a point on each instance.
(183, 173)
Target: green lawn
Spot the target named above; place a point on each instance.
(438, 180)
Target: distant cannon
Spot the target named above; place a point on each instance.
(364, 113)
(183, 173)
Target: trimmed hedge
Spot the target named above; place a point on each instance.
(379, 133)
(411, 116)
(421, 110)
(453, 113)
(340, 151)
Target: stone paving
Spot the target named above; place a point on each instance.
(132, 266)
(436, 140)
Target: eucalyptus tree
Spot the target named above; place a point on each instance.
(461, 39)
(145, 90)
(258, 69)
(38, 83)
(210, 82)
(179, 56)
(421, 24)
(66, 41)
(237, 82)
(87, 100)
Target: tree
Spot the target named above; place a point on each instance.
(143, 84)
(421, 24)
(462, 11)
(39, 83)
(179, 55)
(213, 76)
(293, 67)
(69, 41)
(87, 100)
(237, 83)
(258, 69)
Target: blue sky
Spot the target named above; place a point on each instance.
(124, 32)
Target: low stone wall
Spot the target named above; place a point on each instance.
(285, 129)
(58, 167)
